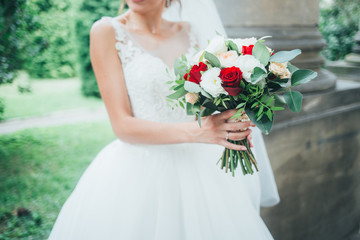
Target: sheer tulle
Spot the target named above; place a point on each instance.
(162, 192)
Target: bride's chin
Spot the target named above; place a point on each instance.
(143, 6)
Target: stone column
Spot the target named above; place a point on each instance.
(292, 24)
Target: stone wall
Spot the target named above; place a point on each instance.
(315, 156)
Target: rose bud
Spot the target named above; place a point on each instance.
(191, 97)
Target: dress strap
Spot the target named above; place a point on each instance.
(124, 46)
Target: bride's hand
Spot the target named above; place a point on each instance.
(215, 129)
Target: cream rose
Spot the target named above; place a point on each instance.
(191, 97)
(247, 63)
(227, 59)
(211, 82)
(217, 45)
(280, 69)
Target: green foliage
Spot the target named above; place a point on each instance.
(53, 53)
(38, 170)
(338, 23)
(2, 108)
(89, 12)
(17, 20)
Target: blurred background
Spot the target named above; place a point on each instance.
(53, 121)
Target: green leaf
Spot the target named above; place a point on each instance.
(240, 105)
(261, 109)
(202, 56)
(269, 101)
(213, 60)
(179, 67)
(269, 114)
(293, 100)
(261, 53)
(233, 46)
(277, 108)
(178, 94)
(292, 68)
(196, 108)
(199, 119)
(189, 109)
(205, 94)
(302, 76)
(285, 56)
(258, 75)
(260, 116)
(206, 112)
(279, 101)
(264, 124)
(183, 58)
(192, 87)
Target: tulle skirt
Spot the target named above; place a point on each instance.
(167, 192)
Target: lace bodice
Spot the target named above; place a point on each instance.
(146, 76)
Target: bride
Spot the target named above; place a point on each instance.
(159, 179)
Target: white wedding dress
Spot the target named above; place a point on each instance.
(164, 192)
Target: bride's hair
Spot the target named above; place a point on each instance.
(123, 2)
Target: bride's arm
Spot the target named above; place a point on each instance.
(109, 74)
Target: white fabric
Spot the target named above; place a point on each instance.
(162, 192)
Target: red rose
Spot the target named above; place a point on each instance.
(194, 75)
(231, 78)
(247, 50)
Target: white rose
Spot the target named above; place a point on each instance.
(240, 42)
(280, 69)
(191, 97)
(217, 45)
(211, 82)
(227, 59)
(247, 63)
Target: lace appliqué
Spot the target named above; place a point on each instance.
(124, 46)
(146, 76)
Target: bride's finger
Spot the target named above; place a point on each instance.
(232, 146)
(239, 135)
(249, 138)
(236, 126)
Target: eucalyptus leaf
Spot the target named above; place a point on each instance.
(213, 60)
(189, 109)
(192, 87)
(292, 68)
(279, 101)
(293, 100)
(206, 112)
(178, 94)
(302, 76)
(233, 46)
(258, 75)
(264, 123)
(205, 94)
(285, 56)
(179, 67)
(261, 53)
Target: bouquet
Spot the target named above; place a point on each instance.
(242, 74)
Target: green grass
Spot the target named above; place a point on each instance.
(38, 170)
(46, 96)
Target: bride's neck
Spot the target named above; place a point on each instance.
(150, 22)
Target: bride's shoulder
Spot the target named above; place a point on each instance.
(102, 27)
